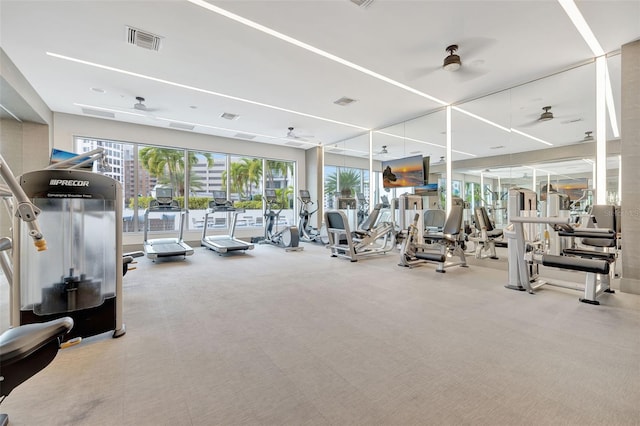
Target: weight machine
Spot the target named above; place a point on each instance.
(438, 247)
(368, 240)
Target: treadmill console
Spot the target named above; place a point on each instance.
(164, 195)
(305, 196)
(270, 195)
(220, 201)
(164, 200)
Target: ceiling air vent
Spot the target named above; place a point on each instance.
(362, 3)
(181, 126)
(297, 144)
(244, 136)
(335, 150)
(229, 116)
(143, 39)
(344, 101)
(98, 113)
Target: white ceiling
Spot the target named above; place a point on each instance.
(205, 55)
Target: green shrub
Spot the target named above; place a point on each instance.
(195, 203)
(249, 205)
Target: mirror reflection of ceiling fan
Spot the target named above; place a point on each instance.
(383, 150)
(546, 115)
(291, 134)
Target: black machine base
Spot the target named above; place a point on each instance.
(88, 322)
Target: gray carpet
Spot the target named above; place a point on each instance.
(275, 338)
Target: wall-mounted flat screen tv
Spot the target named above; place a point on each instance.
(426, 161)
(403, 172)
(427, 190)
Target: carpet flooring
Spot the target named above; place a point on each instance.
(300, 338)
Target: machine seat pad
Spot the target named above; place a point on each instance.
(595, 266)
(20, 342)
(586, 234)
(432, 257)
(610, 257)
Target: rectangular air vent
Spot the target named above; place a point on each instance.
(229, 116)
(143, 39)
(181, 126)
(293, 143)
(244, 136)
(98, 113)
(335, 150)
(344, 101)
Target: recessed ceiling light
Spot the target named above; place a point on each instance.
(344, 101)
(98, 90)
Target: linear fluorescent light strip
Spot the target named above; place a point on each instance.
(197, 89)
(530, 137)
(423, 142)
(484, 120)
(583, 28)
(173, 120)
(610, 105)
(10, 113)
(581, 25)
(312, 49)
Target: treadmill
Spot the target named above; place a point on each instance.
(165, 247)
(222, 243)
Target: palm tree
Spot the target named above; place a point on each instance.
(283, 168)
(237, 175)
(347, 179)
(168, 164)
(253, 173)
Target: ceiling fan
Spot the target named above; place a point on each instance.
(291, 134)
(141, 106)
(546, 115)
(383, 150)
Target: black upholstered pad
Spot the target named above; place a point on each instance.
(19, 342)
(433, 257)
(596, 266)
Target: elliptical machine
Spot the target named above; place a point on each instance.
(308, 233)
(287, 238)
(363, 208)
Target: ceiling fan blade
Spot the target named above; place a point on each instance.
(420, 72)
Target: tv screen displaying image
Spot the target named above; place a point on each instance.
(403, 172)
(428, 189)
(58, 155)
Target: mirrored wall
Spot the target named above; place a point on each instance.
(539, 135)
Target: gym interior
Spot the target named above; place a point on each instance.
(321, 213)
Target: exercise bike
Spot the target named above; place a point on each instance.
(287, 238)
(308, 233)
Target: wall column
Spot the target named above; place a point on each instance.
(630, 150)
